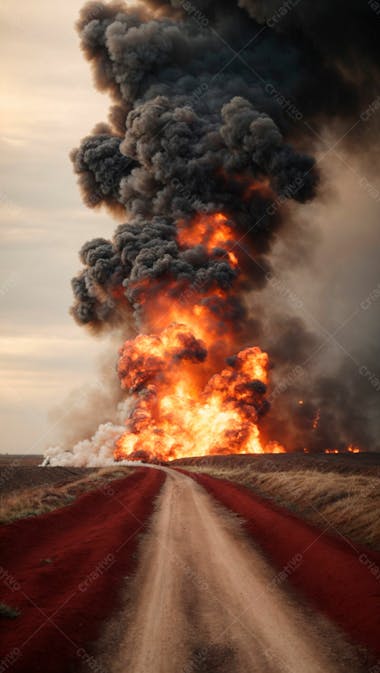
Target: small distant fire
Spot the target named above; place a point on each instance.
(316, 419)
(350, 449)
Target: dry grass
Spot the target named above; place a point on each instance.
(42, 499)
(350, 504)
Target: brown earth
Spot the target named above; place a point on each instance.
(19, 477)
(20, 459)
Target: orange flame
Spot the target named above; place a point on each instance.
(212, 232)
(316, 419)
(349, 449)
(174, 416)
(187, 401)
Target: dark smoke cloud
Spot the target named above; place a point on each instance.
(100, 167)
(145, 250)
(186, 114)
(334, 73)
(343, 30)
(321, 411)
(191, 126)
(340, 45)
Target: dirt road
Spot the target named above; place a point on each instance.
(204, 600)
(193, 595)
(339, 578)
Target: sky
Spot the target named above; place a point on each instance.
(48, 103)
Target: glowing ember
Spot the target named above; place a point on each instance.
(349, 449)
(316, 419)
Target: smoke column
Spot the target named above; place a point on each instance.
(205, 156)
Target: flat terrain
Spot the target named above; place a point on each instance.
(63, 571)
(7, 459)
(345, 463)
(165, 570)
(205, 599)
(341, 493)
(20, 477)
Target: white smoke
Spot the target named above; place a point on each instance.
(97, 451)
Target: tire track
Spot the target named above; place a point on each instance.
(202, 601)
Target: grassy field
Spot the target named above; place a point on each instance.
(30, 491)
(343, 463)
(7, 459)
(343, 497)
(341, 492)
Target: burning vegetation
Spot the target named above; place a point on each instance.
(203, 161)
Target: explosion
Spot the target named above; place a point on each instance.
(173, 417)
(204, 162)
(182, 407)
(195, 175)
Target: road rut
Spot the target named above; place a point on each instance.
(203, 600)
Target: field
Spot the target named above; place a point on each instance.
(31, 491)
(230, 563)
(338, 492)
(347, 463)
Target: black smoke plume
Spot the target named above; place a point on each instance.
(209, 98)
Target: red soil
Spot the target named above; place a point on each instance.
(69, 565)
(335, 577)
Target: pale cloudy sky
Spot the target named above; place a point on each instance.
(47, 104)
